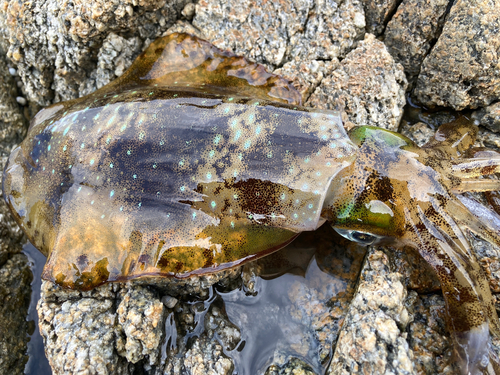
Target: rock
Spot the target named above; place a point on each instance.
(417, 274)
(78, 332)
(56, 44)
(15, 293)
(489, 117)
(15, 274)
(412, 31)
(420, 132)
(189, 11)
(205, 357)
(205, 354)
(274, 33)
(117, 325)
(290, 44)
(113, 58)
(462, 69)
(378, 13)
(306, 75)
(141, 316)
(427, 336)
(368, 85)
(373, 339)
(295, 366)
(13, 127)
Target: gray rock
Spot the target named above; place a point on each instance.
(205, 357)
(373, 338)
(378, 13)
(116, 325)
(79, 332)
(489, 117)
(13, 127)
(412, 31)
(462, 69)
(368, 85)
(140, 315)
(15, 275)
(420, 132)
(56, 44)
(294, 366)
(15, 293)
(274, 33)
(113, 58)
(427, 335)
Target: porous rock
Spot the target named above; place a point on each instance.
(15, 293)
(489, 117)
(412, 31)
(205, 357)
(55, 44)
(141, 317)
(205, 353)
(294, 366)
(79, 332)
(15, 275)
(117, 325)
(373, 339)
(378, 13)
(302, 39)
(427, 335)
(368, 85)
(273, 32)
(13, 127)
(462, 70)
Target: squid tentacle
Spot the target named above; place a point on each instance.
(463, 217)
(484, 185)
(475, 167)
(466, 308)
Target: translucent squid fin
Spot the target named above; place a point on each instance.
(185, 61)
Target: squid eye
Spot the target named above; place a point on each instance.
(357, 236)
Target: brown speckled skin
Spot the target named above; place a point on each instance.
(196, 160)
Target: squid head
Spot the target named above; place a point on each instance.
(396, 192)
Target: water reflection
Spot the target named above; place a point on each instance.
(293, 315)
(37, 363)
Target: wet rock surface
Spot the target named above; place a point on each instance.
(462, 69)
(427, 335)
(62, 50)
(489, 117)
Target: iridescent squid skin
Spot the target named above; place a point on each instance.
(196, 160)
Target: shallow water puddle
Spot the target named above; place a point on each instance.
(37, 362)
